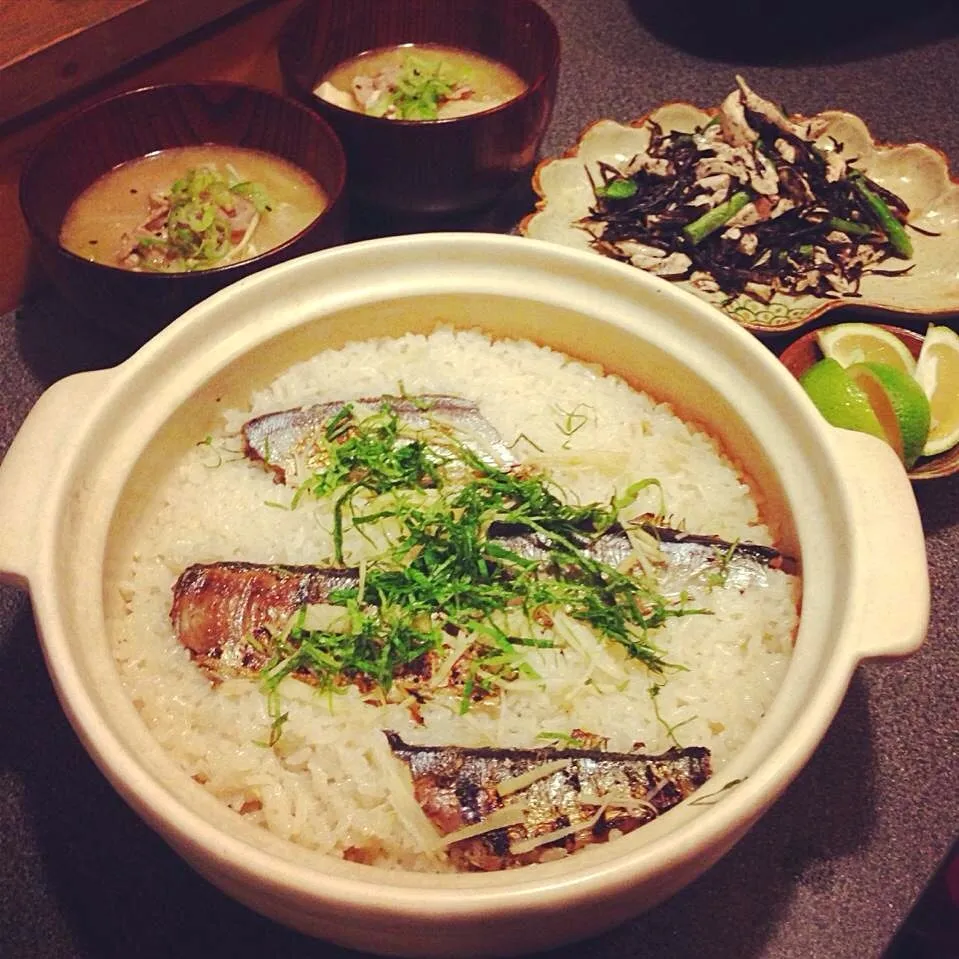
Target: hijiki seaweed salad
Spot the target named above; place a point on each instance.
(420, 630)
(748, 204)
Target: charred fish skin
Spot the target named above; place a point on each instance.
(222, 612)
(279, 440)
(458, 787)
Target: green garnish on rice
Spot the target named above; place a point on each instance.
(442, 573)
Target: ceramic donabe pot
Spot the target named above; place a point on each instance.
(844, 502)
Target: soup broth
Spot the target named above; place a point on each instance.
(420, 82)
(191, 208)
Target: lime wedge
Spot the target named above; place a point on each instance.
(839, 399)
(900, 405)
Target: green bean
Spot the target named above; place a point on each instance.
(885, 218)
(850, 227)
(698, 230)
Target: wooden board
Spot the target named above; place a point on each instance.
(49, 48)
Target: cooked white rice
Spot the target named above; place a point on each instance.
(330, 782)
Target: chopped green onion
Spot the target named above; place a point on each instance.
(197, 231)
(421, 87)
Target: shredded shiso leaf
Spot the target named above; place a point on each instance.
(442, 574)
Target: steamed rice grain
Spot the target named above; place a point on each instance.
(330, 782)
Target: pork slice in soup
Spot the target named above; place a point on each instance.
(420, 82)
(191, 208)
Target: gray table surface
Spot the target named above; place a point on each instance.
(834, 868)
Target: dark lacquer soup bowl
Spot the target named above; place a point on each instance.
(135, 304)
(842, 501)
(416, 167)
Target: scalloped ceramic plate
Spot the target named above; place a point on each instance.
(916, 172)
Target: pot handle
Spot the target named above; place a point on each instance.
(44, 437)
(891, 596)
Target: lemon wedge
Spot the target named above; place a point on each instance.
(937, 372)
(850, 343)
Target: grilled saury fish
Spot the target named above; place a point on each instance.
(227, 614)
(224, 613)
(498, 808)
(285, 441)
(683, 557)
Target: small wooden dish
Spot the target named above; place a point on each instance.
(803, 352)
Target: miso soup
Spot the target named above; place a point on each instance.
(191, 208)
(420, 82)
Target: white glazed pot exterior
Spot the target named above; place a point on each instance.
(845, 503)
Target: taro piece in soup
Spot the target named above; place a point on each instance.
(420, 82)
(191, 208)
